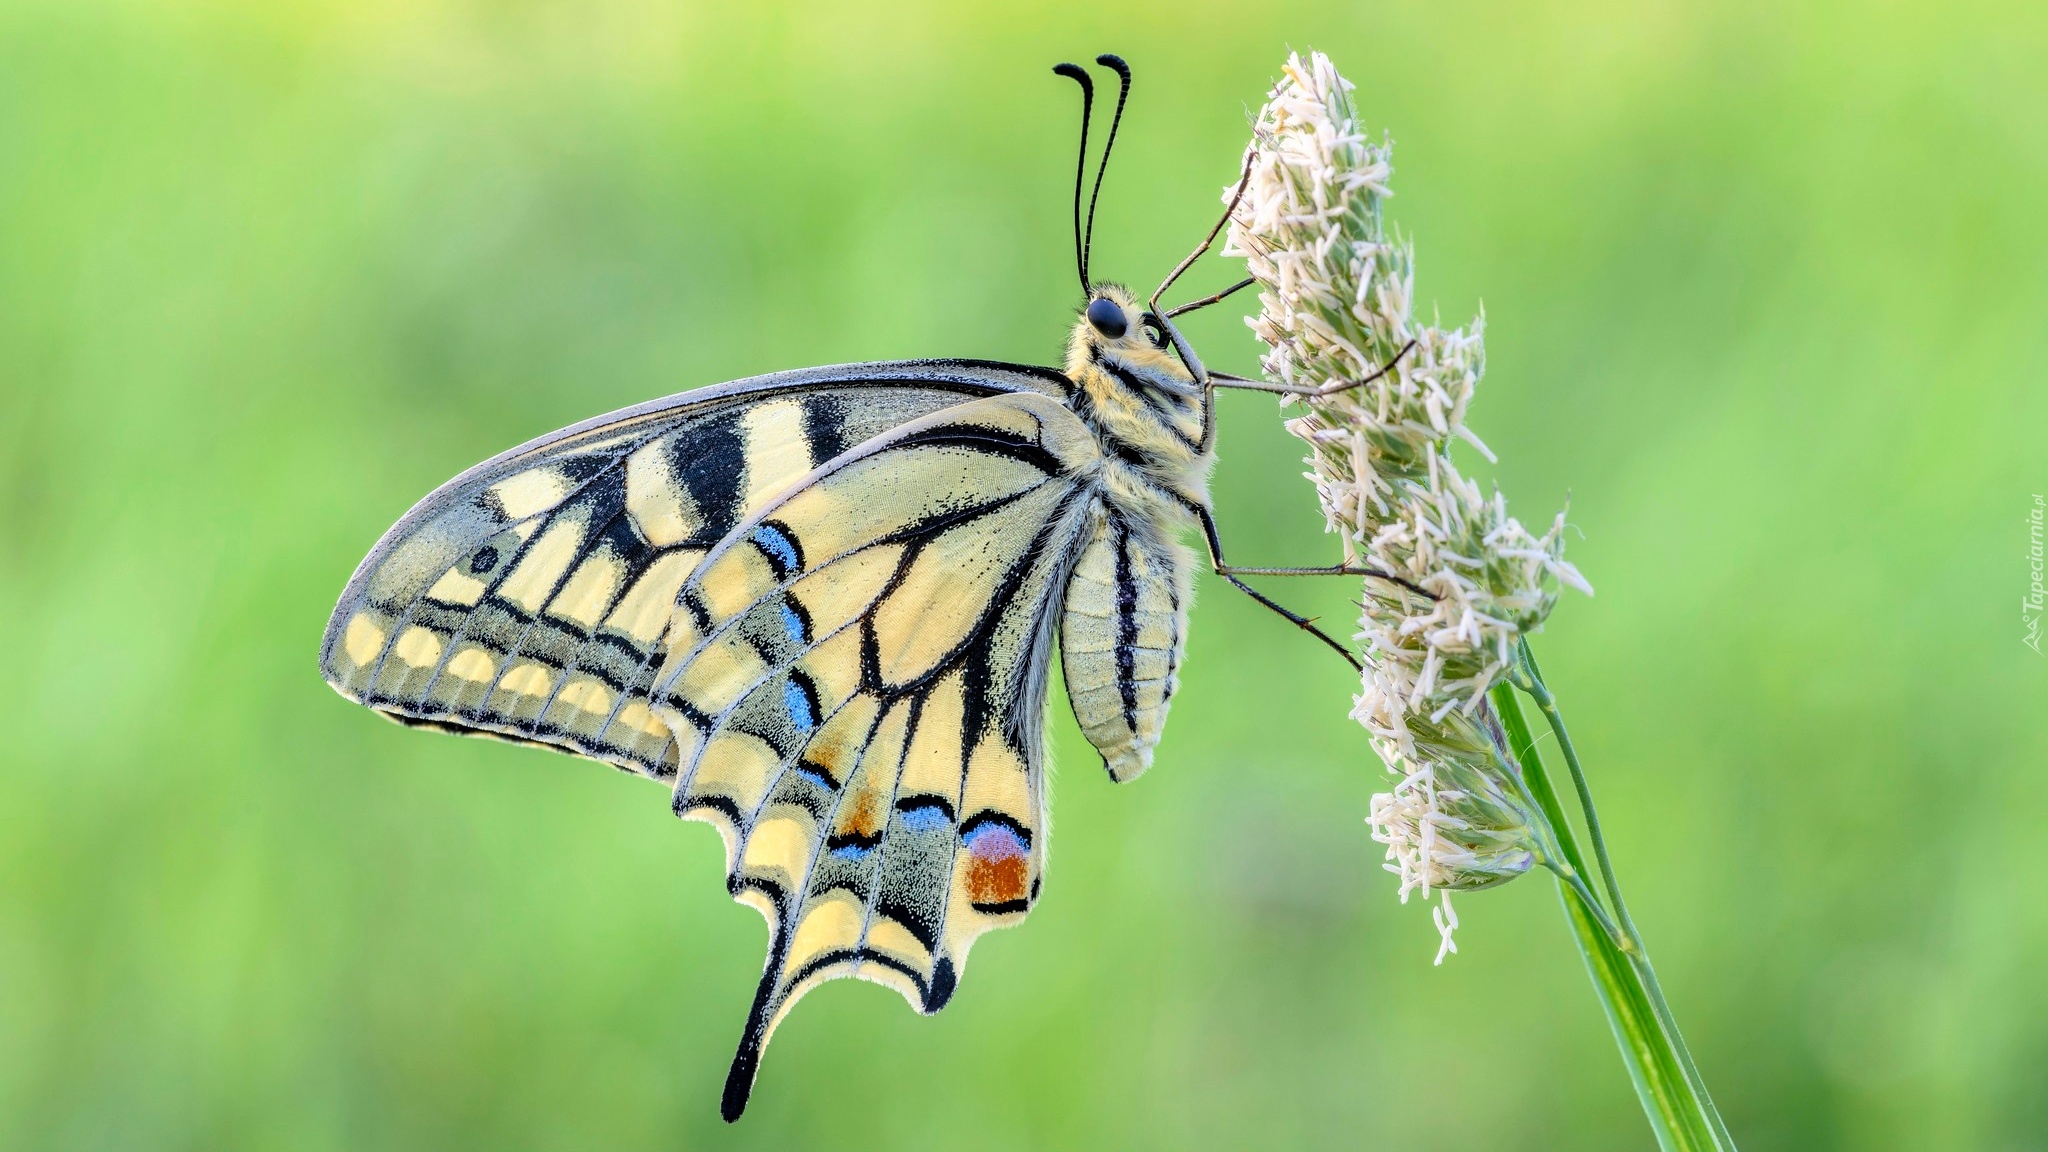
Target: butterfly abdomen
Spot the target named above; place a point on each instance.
(1121, 635)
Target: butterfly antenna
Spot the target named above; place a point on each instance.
(1229, 210)
(1123, 71)
(1079, 76)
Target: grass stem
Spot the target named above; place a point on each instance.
(1667, 1082)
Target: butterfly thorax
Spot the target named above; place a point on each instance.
(1141, 403)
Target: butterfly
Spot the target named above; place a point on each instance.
(822, 606)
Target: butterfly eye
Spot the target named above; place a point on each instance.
(1107, 318)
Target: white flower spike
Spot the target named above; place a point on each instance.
(1336, 305)
(1444, 666)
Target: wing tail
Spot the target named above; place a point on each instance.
(746, 1062)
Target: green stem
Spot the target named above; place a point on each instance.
(1540, 692)
(1532, 682)
(1673, 1096)
(1570, 870)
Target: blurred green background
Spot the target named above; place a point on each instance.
(1766, 295)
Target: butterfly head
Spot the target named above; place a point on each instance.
(1117, 337)
(1132, 366)
(1128, 367)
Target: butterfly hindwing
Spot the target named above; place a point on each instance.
(856, 679)
(530, 597)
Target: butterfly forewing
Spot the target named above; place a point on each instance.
(531, 597)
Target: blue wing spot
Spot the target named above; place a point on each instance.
(992, 841)
(852, 851)
(794, 623)
(926, 817)
(779, 547)
(803, 711)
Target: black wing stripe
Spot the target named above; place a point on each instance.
(1126, 621)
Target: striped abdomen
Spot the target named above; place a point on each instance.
(1121, 636)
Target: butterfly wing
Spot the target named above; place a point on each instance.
(856, 679)
(529, 598)
(842, 668)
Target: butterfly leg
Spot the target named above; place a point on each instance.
(1224, 568)
(1242, 183)
(1299, 621)
(1214, 539)
(1211, 381)
(1212, 298)
(1244, 383)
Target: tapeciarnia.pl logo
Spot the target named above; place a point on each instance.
(2030, 608)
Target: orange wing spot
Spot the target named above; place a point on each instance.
(837, 747)
(995, 881)
(998, 863)
(863, 815)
